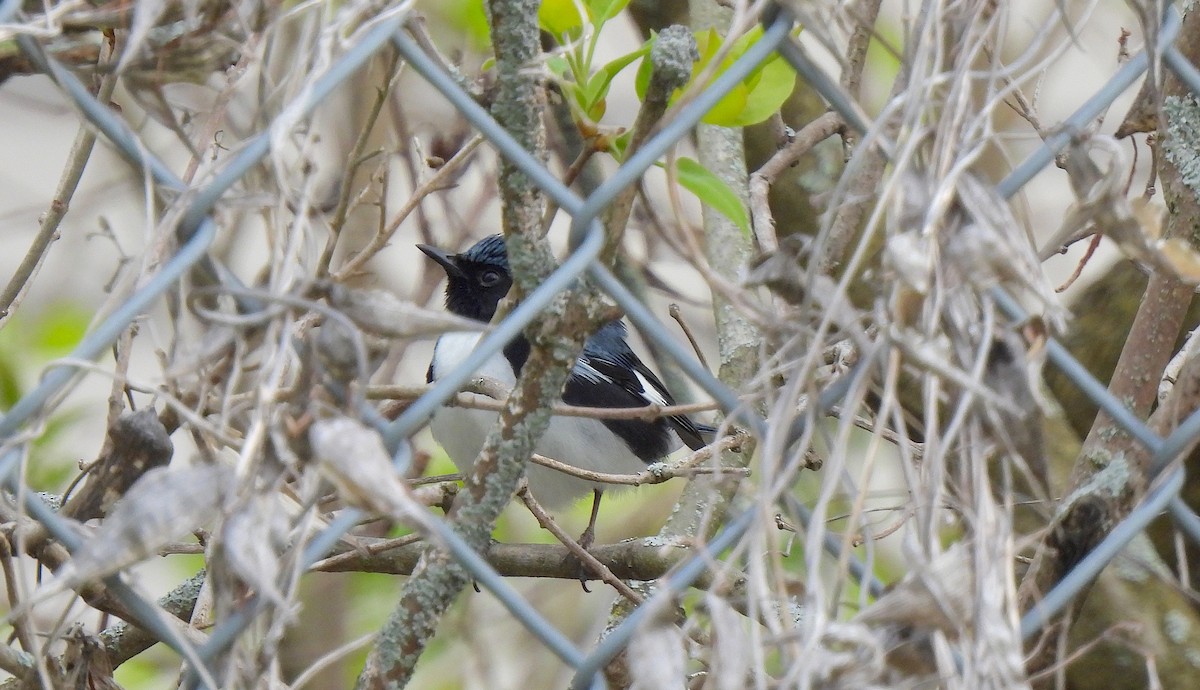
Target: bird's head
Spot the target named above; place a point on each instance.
(478, 278)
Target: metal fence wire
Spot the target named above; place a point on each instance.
(196, 232)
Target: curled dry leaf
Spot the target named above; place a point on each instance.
(851, 657)
(993, 248)
(937, 595)
(656, 656)
(382, 313)
(732, 652)
(339, 351)
(909, 257)
(973, 242)
(1142, 117)
(146, 16)
(161, 507)
(251, 540)
(85, 662)
(352, 457)
(137, 442)
(1102, 206)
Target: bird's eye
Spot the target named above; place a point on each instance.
(489, 278)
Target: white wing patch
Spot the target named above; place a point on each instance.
(584, 369)
(649, 392)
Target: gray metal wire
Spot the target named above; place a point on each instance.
(196, 232)
(1087, 569)
(1088, 112)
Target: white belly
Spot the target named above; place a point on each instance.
(584, 443)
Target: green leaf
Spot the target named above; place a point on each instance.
(596, 111)
(726, 110)
(596, 90)
(743, 43)
(708, 42)
(769, 90)
(619, 144)
(712, 192)
(754, 100)
(560, 18)
(557, 65)
(577, 99)
(604, 10)
(641, 80)
(609, 71)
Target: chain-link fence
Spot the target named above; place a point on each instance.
(196, 231)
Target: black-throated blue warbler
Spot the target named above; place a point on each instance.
(607, 374)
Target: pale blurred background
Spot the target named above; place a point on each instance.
(71, 287)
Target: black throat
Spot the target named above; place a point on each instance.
(517, 352)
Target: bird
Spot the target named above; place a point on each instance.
(607, 374)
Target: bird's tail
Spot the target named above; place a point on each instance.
(693, 433)
(707, 432)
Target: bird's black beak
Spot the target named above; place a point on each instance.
(447, 261)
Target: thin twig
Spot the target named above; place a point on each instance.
(20, 629)
(864, 14)
(657, 473)
(355, 159)
(802, 142)
(547, 523)
(641, 559)
(676, 314)
(1106, 636)
(81, 152)
(495, 402)
(916, 449)
(1093, 245)
(435, 182)
(420, 33)
(371, 549)
(569, 178)
(181, 548)
(328, 659)
(1151, 182)
(671, 60)
(860, 539)
(207, 136)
